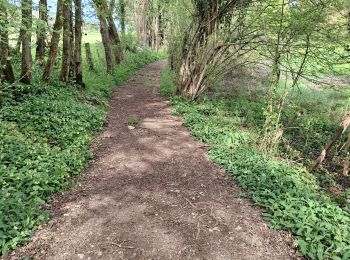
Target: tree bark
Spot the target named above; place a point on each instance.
(155, 33)
(77, 49)
(160, 26)
(113, 35)
(141, 21)
(19, 41)
(26, 66)
(122, 15)
(7, 74)
(55, 38)
(89, 56)
(199, 55)
(67, 48)
(72, 45)
(101, 14)
(41, 33)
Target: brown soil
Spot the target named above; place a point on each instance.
(152, 193)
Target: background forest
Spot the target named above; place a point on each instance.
(264, 83)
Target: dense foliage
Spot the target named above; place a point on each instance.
(45, 131)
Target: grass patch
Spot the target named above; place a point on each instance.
(167, 78)
(133, 120)
(45, 131)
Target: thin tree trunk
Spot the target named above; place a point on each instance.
(141, 22)
(6, 67)
(41, 33)
(346, 166)
(72, 44)
(26, 66)
(66, 51)
(113, 35)
(55, 38)
(160, 26)
(342, 128)
(155, 33)
(122, 15)
(89, 56)
(101, 14)
(77, 49)
(19, 41)
(349, 21)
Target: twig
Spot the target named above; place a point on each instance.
(121, 246)
(189, 202)
(198, 230)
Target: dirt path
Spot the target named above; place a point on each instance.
(152, 193)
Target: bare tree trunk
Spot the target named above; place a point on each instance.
(67, 48)
(41, 34)
(77, 49)
(89, 56)
(66, 51)
(6, 67)
(113, 35)
(346, 167)
(55, 38)
(71, 42)
(348, 22)
(155, 33)
(191, 79)
(192, 70)
(346, 161)
(141, 21)
(26, 66)
(199, 54)
(101, 14)
(342, 128)
(160, 26)
(19, 41)
(122, 15)
(172, 61)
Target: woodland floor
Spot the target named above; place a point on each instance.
(152, 193)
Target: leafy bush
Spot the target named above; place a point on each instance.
(291, 196)
(44, 136)
(30, 170)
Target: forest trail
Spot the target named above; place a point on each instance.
(152, 193)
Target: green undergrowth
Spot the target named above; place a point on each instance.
(167, 79)
(292, 197)
(45, 131)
